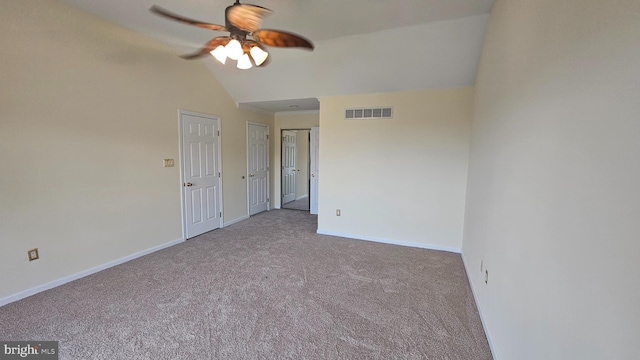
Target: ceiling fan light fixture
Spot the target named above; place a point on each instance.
(220, 53)
(234, 49)
(244, 62)
(246, 40)
(258, 55)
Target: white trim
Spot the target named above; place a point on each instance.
(183, 213)
(297, 112)
(237, 220)
(55, 283)
(314, 169)
(246, 175)
(220, 165)
(302, 197)
(218, 121)
(475, 298)
(268, 165)
(392, 242)
(252, 109)
(199, 114)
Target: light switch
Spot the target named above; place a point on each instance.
(167, 163)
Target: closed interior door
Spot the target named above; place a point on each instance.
(258, 160)
(289, 163)
(201, 174)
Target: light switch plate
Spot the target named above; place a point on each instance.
(167, 163)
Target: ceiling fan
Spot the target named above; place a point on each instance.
(246, 41)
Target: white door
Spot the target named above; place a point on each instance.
(258, 160)
(201, 173)
(315, 173)
(289, 164)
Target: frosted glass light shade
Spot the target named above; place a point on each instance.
(220, 53)
(234, 49)
(259, 55)
(244, 63)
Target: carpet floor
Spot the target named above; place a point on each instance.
(266, 288)
(300, 204)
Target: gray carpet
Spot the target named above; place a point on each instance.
(300, 204)
(266, 288)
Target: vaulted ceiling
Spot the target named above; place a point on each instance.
(361, 46)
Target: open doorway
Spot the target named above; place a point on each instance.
(295, 172)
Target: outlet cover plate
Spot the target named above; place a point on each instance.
(33, 254)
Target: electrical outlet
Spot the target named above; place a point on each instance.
(337, 212)
(33, 254)
(486, 276)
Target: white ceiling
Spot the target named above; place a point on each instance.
(362, 46)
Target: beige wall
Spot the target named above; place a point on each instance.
(553, 197)
(89, 110)
(286, 121)
(399, 180)
(302, 148)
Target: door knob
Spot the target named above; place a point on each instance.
(188, 184)
(313, 175)
(251, 175)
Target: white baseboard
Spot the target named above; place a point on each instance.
(81, 274)
(234, 221)
(392, 242)
(475, 297)
(302, 197)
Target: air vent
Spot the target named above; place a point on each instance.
(369, 113)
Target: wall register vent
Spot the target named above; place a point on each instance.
(369, 113)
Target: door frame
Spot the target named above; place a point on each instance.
(282, 166)
(308, 162)
(314, 159)
(181, 163)
(246, 177)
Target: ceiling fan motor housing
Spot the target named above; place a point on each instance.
(234, 32)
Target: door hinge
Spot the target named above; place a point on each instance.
(221, 214)
(219, 174)
(218, 132)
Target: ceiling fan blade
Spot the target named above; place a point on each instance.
(279, 38)
(208, 47)
(162, 12)
(246, 17)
